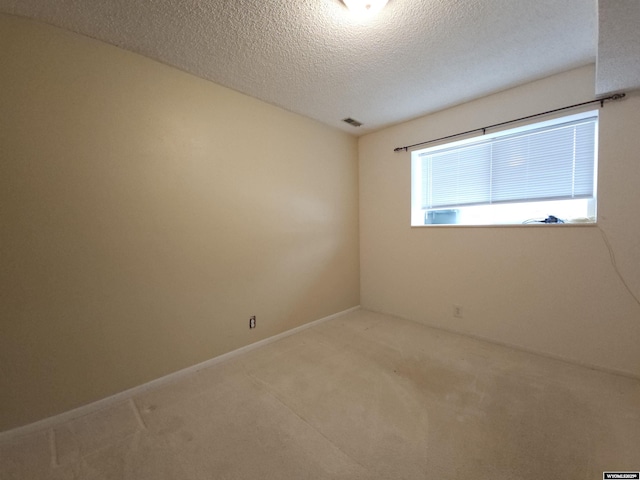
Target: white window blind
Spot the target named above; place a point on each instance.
(554, 162)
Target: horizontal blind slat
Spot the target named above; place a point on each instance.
(555, 162)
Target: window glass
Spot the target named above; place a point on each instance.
(536, 173)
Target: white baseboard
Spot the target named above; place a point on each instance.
(92, 407)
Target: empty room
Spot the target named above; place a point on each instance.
(319, 239)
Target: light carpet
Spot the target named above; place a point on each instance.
(362, 396)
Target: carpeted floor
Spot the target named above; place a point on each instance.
(363, 396)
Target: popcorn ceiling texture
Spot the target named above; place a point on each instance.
(314, 58)
(618, 47)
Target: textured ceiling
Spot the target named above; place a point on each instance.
(314, 58)
(618, 46)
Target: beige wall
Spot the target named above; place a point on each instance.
(146, 214)
(552, 290)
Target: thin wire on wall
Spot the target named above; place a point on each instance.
(612, 256)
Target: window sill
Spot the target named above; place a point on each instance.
(513, 225)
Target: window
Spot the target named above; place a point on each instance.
(540, 173)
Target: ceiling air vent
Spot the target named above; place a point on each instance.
(352, 122)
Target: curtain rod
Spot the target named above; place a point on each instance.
(617, 96)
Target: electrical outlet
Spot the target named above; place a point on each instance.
(252, 321)
(457, 311)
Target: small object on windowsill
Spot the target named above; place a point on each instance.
(549, 219)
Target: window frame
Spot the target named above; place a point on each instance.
(418, 212)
